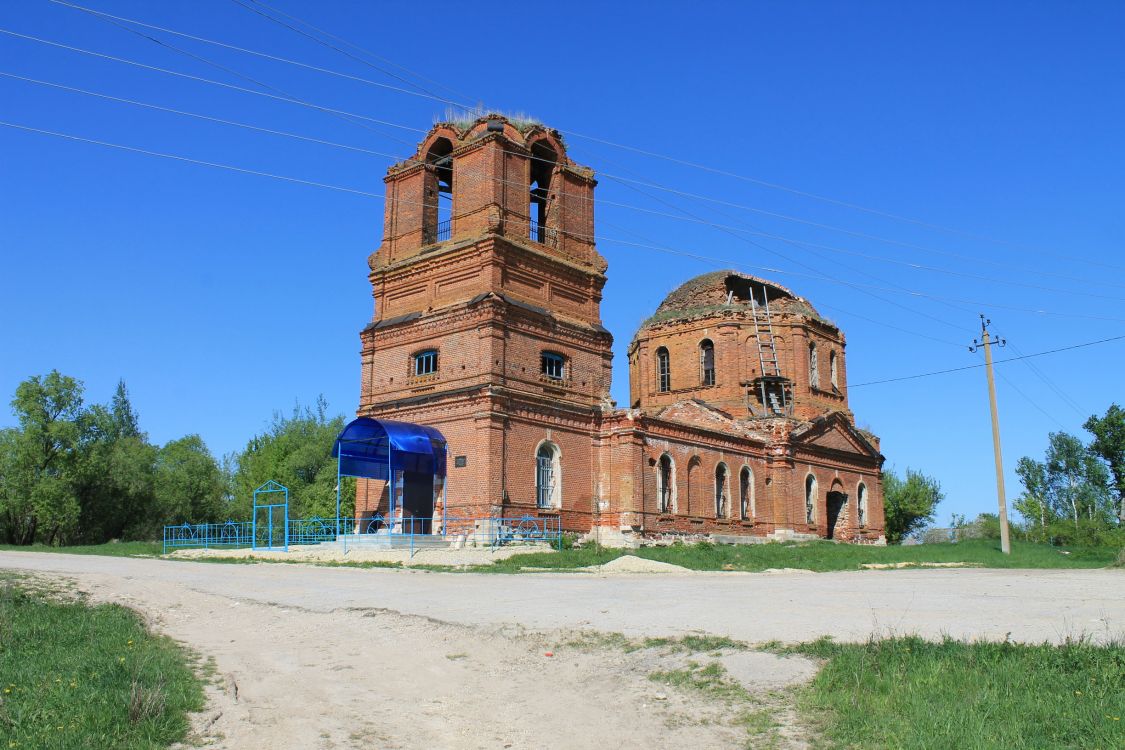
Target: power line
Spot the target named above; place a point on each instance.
(715, 263)
(756, 181)
(1063, 395)
(912, 293)
(875, 238)
(376, 195)
(191, 161)
(110, 19)
(579, 135)
(199, 116)
(392, 63)
(862, 235)
(604, 202)
(978, 366)
(765, 269)
(256, 53)
(729, 229)
(804, 265)
(1030, 400)
(797, 262)
(314, 38)
(210, 81)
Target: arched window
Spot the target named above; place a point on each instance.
(666, 484)
(722, 491)
(833, 371)
(663, 371)
(548, 476)
(693, 490)
(861, 504)
(437, 209)
(552, 365)
(814, 368)
(746, 493)
(810, 498)
(425, 362)
(706, 362)
(543, 158)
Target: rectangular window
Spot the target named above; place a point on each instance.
(425, 363)
(553, 365)
(663, 370)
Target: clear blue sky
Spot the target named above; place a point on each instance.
(221, 297)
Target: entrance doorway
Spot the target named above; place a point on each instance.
(835, 504)
(417, 502)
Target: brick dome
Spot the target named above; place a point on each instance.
(727, 291)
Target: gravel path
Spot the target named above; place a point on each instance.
(315, 657)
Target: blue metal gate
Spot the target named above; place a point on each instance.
(271, 517)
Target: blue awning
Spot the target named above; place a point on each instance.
(368, 447)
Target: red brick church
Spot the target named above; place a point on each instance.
(487, 327)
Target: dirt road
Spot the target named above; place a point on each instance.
(333, 657)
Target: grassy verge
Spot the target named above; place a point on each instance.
(823, 556)
(910, 693)
(814, 556)
(76, 676)
(113, 549)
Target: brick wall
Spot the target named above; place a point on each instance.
(490, 300)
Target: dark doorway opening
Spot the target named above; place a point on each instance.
(417, 502)
(836, 502)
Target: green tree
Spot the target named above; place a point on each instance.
(37, 493)
(115, 472)
(295, 450)
(1109, 445)
(1077, 479)
(1035, 503)
(910, 504)
(1067, 498)
(189, 484)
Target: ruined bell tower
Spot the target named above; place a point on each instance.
(487, 323)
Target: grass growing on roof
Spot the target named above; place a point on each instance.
(78, 676)
(911, 693)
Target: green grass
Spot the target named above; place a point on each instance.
(750, 712)
(816, 556)
(910, 693)
(710, 679)
(113, 549)
(76, 676)
(821, 556)
(689, 644)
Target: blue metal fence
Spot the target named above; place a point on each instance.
(490, 531)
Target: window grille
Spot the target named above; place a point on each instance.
(663, 370)
(545, 477)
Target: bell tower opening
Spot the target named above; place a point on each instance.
(437, 213)
(543, 161)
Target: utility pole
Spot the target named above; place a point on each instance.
(1001, 499)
